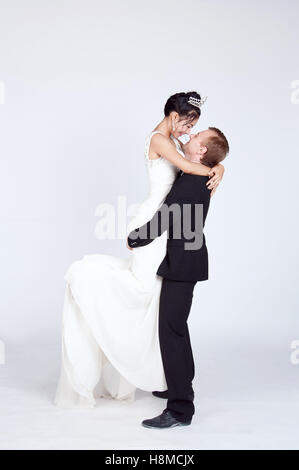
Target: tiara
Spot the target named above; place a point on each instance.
(196, 101)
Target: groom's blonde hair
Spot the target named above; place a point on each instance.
(217, 148)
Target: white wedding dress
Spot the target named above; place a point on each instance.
(110, 337)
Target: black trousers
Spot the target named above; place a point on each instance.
(177, 357)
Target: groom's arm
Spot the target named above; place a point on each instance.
(163, 219)
(154, 228)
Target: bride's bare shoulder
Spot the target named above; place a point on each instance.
(159, 140)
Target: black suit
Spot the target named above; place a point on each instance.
(180, 263)
(181, 268)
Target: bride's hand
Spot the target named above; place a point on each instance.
(213, 191)
(216, 175)
(129, 246)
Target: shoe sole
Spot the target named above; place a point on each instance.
(166, 427)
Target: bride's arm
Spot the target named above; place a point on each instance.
(162, 146)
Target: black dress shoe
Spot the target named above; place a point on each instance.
(161, 394)
(164, 420)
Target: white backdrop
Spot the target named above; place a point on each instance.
(85, 82)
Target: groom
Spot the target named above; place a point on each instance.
(183, 215)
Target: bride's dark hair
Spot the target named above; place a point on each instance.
(179, 103)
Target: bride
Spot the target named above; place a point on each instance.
(110, 340)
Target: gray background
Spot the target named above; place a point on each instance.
(85, 83)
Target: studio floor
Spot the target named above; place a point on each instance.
(243, 401)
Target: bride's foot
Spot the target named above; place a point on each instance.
(161, 394)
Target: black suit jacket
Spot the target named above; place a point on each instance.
(180, 263)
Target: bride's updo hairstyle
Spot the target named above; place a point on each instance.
(179, 103)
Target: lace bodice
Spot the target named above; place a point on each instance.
(161, 174)
(147, 146)
(160, 170)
